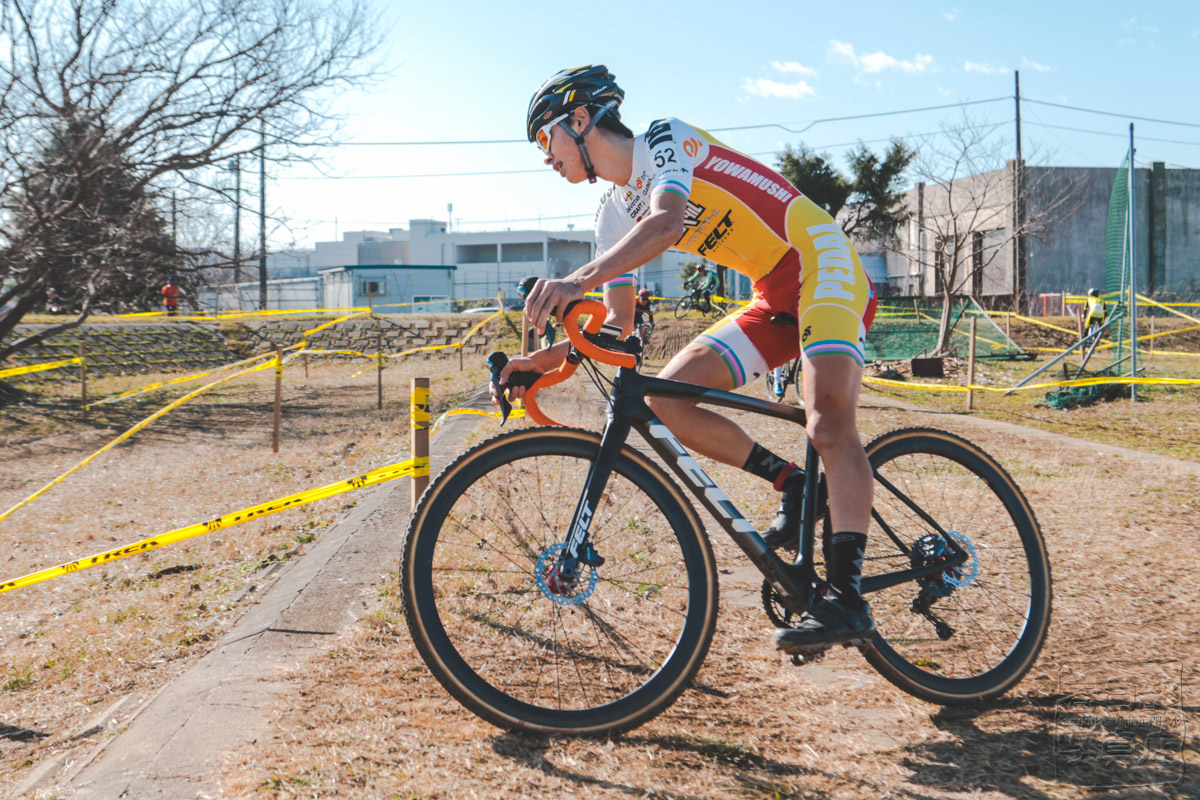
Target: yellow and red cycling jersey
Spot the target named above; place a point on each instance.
(747, 217)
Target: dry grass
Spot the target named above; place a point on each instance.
(74, 645)
(367, 720)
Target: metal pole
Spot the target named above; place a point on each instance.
(1133, 349)
(237, 223)
(971, 367)
(379, 369)
(419, 416)
(83, 378)
(278, 398)
(262, 220)
(1018, 206)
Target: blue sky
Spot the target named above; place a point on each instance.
(465, 70)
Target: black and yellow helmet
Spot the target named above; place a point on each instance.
(592, 86)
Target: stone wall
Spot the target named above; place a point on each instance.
(134, 348)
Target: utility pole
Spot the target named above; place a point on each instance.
(237, 221)
(262, 218)
(1018, 284)
(1133, 298)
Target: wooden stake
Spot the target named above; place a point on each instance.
(1008, 325)
(1152, 336)
(306, 366)
(419, 416)
(278, 398)
(83, 378)
(971, 367)
(379, 369)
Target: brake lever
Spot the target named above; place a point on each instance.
(497, 361)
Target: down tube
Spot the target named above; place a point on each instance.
(773, 568)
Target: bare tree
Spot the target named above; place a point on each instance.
(157, 92)
(969, 211)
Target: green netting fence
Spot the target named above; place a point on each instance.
(907, 327)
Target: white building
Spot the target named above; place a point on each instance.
(483, 262)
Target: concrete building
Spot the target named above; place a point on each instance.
(393, 289)
(474, 265)
(1068, 207)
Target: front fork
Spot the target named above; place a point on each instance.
(578, 546)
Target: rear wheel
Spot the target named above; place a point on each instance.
(519, 642)
(971, 633)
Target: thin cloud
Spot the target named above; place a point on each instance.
(951, 15)
(765, 87)
(984, 69)
(879, 61)
(1033, 65)
(792, 67)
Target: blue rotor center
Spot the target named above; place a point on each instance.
(932, 548)
(557, 585)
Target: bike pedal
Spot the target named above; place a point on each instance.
(803, 659)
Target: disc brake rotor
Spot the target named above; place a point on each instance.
(558, 586)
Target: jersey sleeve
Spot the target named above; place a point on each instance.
(672, 165)
(609, 231)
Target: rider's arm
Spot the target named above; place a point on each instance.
(620, 301)
(649, 239)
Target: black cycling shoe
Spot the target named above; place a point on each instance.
(784, 531)
(828, 623)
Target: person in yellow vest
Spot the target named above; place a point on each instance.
(1095, 312)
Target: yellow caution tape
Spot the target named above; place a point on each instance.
(66, 362)
(151, 386)
(516, 412)
(412, 467)
(1164, 307)
(419, 408)
(309, 333)
(933, 387)
(164, 410)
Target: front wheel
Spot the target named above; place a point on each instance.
(971, 633)
(523, 646)
(682, 307)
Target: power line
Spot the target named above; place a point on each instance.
(547, 171)
(1112, 113)
(1110, 133)
(734, 128)
(862, 116)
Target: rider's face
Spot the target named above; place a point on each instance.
(564, 155)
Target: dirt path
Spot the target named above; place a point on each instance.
(279, 709)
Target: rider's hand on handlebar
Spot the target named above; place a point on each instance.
(516, 364)
(550, 297)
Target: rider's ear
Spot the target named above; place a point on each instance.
(580, 118)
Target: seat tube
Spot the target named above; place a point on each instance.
(808, 510)
(615, 434)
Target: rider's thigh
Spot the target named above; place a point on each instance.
(832, 382)
(696, 364)
(699, 364)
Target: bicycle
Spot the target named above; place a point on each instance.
(788, 375)
(557, 580)
(698, 301)
(643, 331)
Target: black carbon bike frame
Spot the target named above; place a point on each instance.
(794, 583)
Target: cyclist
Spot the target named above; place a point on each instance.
(1095, 312)
(702, 283)
(643, 309)
(677, 186)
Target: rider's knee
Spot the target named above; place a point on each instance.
(830, 432)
